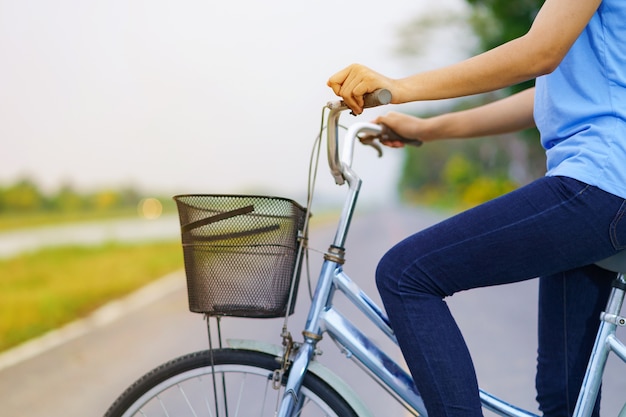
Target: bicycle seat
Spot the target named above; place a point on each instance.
(615, 263)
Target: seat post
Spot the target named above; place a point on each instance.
(615, 302)
(610, 319)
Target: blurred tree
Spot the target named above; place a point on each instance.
(105, 200)
(475, 170)
(23, 196)
(67, 199)
(129, 197)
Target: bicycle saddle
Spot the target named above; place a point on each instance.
(615, 263)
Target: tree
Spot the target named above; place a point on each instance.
(22, 196)
(67, 199)
(25, 196)
(474, 170)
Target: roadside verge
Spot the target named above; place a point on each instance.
(103, 316)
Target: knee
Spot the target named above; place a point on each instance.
(399, 272)
(386, 274)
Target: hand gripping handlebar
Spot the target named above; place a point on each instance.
(367, 133)
(377, 98)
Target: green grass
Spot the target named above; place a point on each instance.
(43, 290)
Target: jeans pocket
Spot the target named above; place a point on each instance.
(618, 228)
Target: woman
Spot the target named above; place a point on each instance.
(554, 228)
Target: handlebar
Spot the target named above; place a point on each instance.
(377, 98)
(340, 164)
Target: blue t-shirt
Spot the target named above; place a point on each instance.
(580, 108)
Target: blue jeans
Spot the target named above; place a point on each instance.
(554, 228)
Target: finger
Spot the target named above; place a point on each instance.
(337, 80)
(354, 91)
(355, 103)
(392, 143)
(351, 88)
(380, 120)
(359, 91)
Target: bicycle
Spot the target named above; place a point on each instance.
(243, 257)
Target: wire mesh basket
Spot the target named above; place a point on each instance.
(240, 253)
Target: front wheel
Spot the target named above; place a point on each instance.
(238, 384)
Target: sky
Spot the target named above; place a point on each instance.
(189, 95)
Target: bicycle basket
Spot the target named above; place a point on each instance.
(240, 253)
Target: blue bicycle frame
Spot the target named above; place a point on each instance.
(324, 318)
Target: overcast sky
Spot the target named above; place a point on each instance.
(186, 95)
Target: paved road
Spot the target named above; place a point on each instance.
(82, 376)
(88, 233)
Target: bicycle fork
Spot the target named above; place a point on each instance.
(306, 351)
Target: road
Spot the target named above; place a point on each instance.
(17, 241)
(82, 375)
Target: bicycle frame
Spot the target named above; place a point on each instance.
(324, 318)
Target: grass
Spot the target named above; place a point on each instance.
(43, 290)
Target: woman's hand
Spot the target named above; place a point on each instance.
(409, 127)
(353, 82)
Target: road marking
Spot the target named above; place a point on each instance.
(103, 316)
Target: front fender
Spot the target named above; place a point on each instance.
(332, 379)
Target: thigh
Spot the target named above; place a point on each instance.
(551, 225)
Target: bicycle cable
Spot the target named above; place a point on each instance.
(312, 178)
(303, 249)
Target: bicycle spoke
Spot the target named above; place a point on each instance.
(163, 406)
(207, 404)
(244, 388)
(182, 391)
(240, 396)
(265, 395)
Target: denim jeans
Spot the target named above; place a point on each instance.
(554, 228)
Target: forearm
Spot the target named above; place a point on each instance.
(536, 53)
(556, 27)
(508, 115)
(493, 70)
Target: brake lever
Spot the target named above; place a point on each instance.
(369, 139)
(386, 134)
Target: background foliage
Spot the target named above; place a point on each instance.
(25, 204)
(468, 172)
(26, 196)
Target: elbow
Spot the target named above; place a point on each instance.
(545, 57)
(546, 64)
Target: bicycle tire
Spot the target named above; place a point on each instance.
(184, 387)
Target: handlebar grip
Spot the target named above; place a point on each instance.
(379, 97)
(391, 135)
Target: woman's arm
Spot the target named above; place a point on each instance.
(510, 114)
(556, 27)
